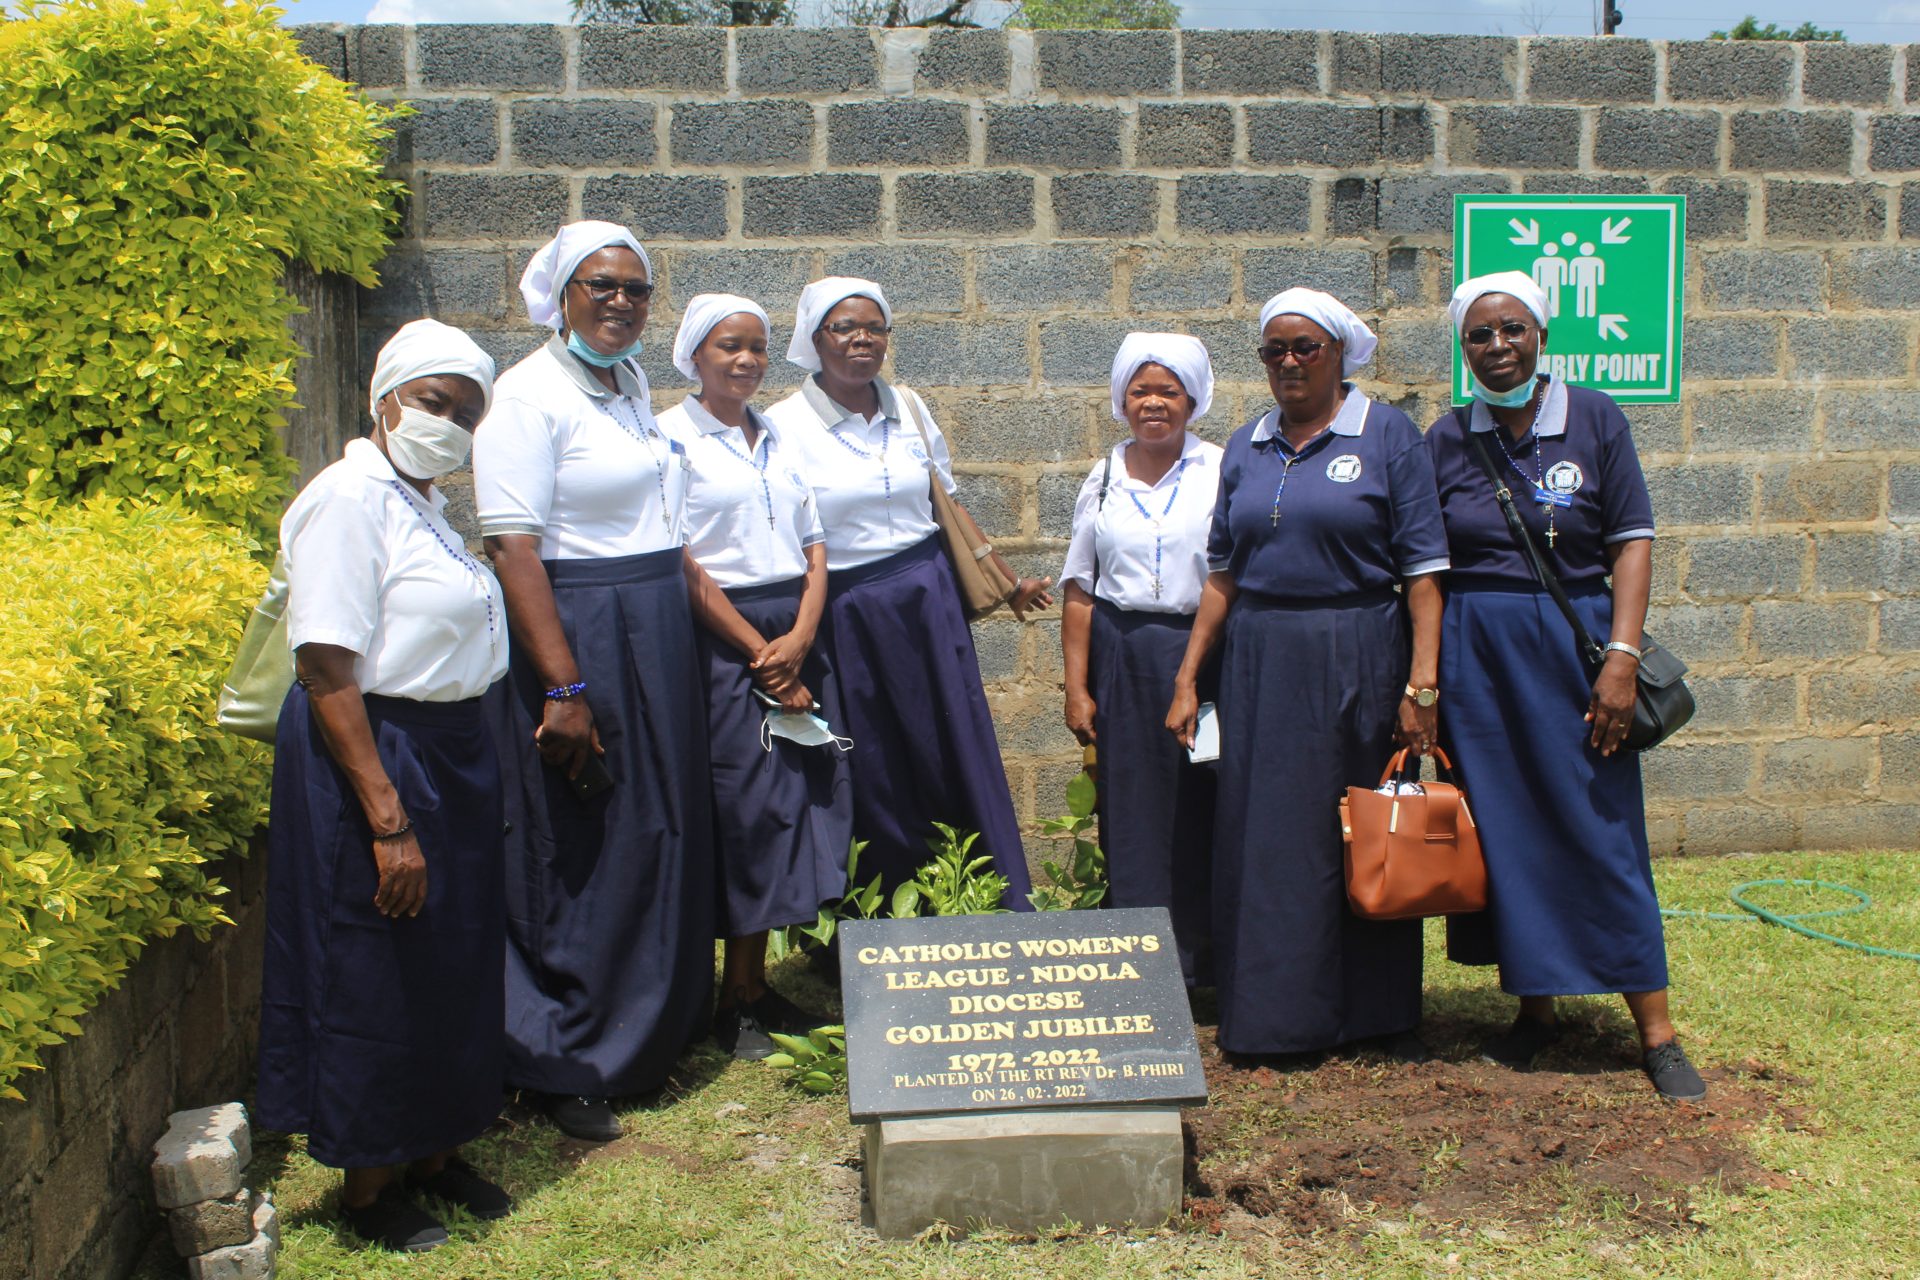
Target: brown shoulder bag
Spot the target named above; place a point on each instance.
(984, 586)
(1414, 854)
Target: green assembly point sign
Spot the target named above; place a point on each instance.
(1613, 269)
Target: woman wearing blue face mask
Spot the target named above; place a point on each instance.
(783, 807)
(602, 728)
(1537, 736)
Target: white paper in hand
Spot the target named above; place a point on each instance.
(1206, 736)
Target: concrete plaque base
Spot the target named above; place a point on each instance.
(1024, 1170)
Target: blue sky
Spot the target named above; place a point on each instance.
(1864, 21)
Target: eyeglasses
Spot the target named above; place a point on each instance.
(601, 289)
(847, 328)
(1512, 331)
(1303, 350)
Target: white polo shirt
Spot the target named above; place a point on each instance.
(1144, 535)
(869, 475)
(750, 512)
(375, 568)
(586, 471)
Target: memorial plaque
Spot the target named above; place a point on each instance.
(950, 1014)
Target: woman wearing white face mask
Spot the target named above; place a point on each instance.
(783, 807)
(383, 983)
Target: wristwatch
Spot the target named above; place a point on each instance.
(1423, 697)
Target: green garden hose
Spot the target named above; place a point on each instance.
(1751, 911)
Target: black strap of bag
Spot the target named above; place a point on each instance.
(1662, 701)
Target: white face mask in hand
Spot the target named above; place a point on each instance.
(802, 727)
(426, 447)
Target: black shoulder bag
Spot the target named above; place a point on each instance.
(1662, 702)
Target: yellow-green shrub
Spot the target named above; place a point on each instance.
(160, 164)
(118, 622)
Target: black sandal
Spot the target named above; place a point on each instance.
(393, 1221)
(458, 1183)
(1521, 1043)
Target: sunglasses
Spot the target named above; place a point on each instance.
(1303, 350)
(847, 328)
(601, 289)
(1480, 336)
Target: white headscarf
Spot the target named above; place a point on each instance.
(1357, 342)
(545, 280)
(816, 300)
(1185, 357)
(425, 347)
(704, 311)
(1518, 284)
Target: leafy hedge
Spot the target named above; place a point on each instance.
(160, 164)
(118, 622)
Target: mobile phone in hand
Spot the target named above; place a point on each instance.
(592, 780)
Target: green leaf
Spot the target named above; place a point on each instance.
(1082, 794)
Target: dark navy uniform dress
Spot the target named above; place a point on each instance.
(1571, 906)
(1312, 673)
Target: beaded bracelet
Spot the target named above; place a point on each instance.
(395, 834)
(560, 693)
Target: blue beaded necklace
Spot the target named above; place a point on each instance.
(1178, 472)
(461, 557)
(765, 456)
(644, 434)
(1539, 477)
(886, 475)
(1287, 461)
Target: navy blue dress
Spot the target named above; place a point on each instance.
(1571, 907)
(1312, 673)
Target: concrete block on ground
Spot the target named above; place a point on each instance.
(1025, 1171)
(211, 1224)
(202, 1155)
(266, 1218)
(250, 1261)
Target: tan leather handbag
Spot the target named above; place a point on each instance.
(1415, 854)
(984, 586)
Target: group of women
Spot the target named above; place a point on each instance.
(513, 809)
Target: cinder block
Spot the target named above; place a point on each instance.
(1182, 280)
(997, 640)
(377, 55)
(1249, 62)
(744, 134)
(1894, 142)
(1105, 62)
(1698, 770)
(804, 59)
(1414, 350)
(1716, 209)
(1701, 632)
(1746, 565)
(963, 60)
(1910, 211)
(658, 205)
(1743, 828)
(988, 203)
(507, 206)
(488, 55)
(1230, 343)
(322, 43)
(619, 56)
(1644, 141)
(1753, 421)
(1834, 347)
(1870, 421)
(1059, 491)
(202, 1155)
(1792, 141)
(1702, 493)
(1887, 278)
(1658, 428)
(1817, 492)
(771, 277)
(266, 1218)
(1079, 352)
(1733, 347)
(211, 1224)
(448, 131)
(1425, 66)
(896, 132)
(1105, 204)
(1347, 274)
(1044, 277)
(1826, 211)
(584, 133)
(1056, 135)
(954, 353)
(1900, 633)
(1866, 561)
(1353, 206)
(1743, 702)
(1848, 701)
(917, 278)
(818, 204)
(1183, 135)
(1516, 137)
(1582, 70)
(250, 1261)
(449, 284)
(1048, 428)
(1857, 825)
(1244, 205)
(1728, 71)
(1763, 280)
(1800, 629)
(1903, 492)
(1860, 74)
(1577, 184)
(1424, 203)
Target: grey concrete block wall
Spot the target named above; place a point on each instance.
(1026, 198)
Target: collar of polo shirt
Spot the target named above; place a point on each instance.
(1553, 412)
(630, 382)
(832, 414)
(1350, 421)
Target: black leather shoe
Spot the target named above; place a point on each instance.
(395, 1222)
(1667, 1066)
(775, 1012)
(1521, 1043)
(588, 1119)
(458, 1183)
(738, 1032)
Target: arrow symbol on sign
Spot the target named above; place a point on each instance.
(1529, 233)
(1611, 327)
(1612, 233)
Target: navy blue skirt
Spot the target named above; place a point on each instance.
(1156, 806)
(380, 1039)
(1308, 696)
(923, 744)
(1570, 901)
(610, 900)
(782, 812)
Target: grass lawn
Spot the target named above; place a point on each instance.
(732, 1174)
